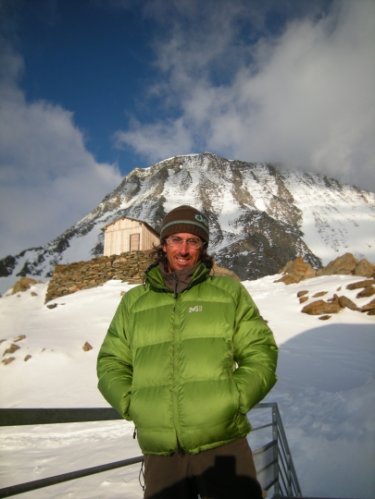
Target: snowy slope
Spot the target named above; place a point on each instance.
(336, 220)
(325, 390)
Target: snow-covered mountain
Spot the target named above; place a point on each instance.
(261, 216)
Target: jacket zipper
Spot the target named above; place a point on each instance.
(174, 370)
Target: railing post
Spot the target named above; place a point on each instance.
(275, 435)
(289, 475)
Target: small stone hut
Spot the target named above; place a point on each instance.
(128, 234)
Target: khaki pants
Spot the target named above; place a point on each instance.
(226, 472)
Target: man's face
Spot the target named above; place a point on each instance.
(182, 250)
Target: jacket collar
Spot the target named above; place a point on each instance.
(156, 278)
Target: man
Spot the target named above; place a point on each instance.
(186, 356)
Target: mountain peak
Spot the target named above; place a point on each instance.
(261, 216)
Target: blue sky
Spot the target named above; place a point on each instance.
(91, 89)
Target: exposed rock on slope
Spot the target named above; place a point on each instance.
(298, 269)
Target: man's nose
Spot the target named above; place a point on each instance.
(184, 246)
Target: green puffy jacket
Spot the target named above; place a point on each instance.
(187, 367)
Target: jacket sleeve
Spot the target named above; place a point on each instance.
(114, 364)
(255, 353)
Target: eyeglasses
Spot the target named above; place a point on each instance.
(193, 243)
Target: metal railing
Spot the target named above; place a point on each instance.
(273, 459)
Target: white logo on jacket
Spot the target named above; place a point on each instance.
(196, 308)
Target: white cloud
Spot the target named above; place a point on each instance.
(48, 179)
(157, 140)
(304, 97)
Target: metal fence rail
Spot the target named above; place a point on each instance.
(273, 460)
(18, 417)
(54, 480)
(288, 484)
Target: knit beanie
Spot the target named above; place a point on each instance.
(185, 219)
